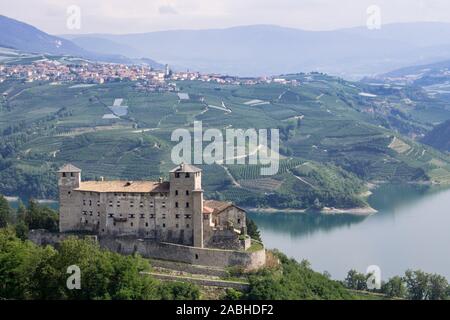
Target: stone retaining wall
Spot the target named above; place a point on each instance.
(165, 251)
(202, 282)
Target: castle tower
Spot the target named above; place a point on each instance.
(187, 198)
(69, 178)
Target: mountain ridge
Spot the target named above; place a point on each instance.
(27, 38)
(243, 50)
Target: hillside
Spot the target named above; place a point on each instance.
(243, 50)
(335, 137)
(435, 76)
(28, 39)
(439, 137)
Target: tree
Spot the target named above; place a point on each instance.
(317, 205)
(252, 230)
(20, 225)
(437, 287)
(41, 217)
(395, 287)
(417, 284)
(5, 212)
(178, 291)
(356, 280)
(232, 294)
(293, 281)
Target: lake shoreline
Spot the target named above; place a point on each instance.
(361, 211)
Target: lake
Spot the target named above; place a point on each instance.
(410, 231)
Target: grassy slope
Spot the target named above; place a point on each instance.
(63, 124)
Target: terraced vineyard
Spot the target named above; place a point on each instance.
(333, 140)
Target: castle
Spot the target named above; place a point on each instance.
(172, 212)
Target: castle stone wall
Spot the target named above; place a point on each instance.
(165, 251)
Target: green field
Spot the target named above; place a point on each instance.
(333, 140)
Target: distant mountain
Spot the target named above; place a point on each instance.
(268, 50)
(439, 137)
(24, 37)
(434, 74)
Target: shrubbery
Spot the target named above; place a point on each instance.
(28, 271)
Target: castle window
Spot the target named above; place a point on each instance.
(141, 205)
(187, 216)
(176, 225)
(176, 204)
(131, 204)
(152, 216)
(188, 175)
(131, 224)
(177, 174)
(90, 213)
(146, 224)
(98, 203)
(90, 202)
(177, 216)
(85, 212)
(163, 216)
(151, 204)
(176, 192)
(164, 225)
(187, 192)
(163, 205)
(187, 204)
(131, 216)
(69, 192)
(187, 226)
(118, 203)
(111, 215)
(110, 204)
(205, 216)
(239, 221)
(84, 202)
(71, 174)
(98, 213)
(196, 256)
(86, 221)
(114, 224)
(64, 174)
(142, 216)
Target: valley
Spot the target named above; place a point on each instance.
(337, 137)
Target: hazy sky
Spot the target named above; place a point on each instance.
(126, 16)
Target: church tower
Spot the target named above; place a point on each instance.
(69, 178)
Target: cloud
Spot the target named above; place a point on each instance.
(167, 9)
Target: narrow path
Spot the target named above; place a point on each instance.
(304, 181)
(233, 180)
(200, 281)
